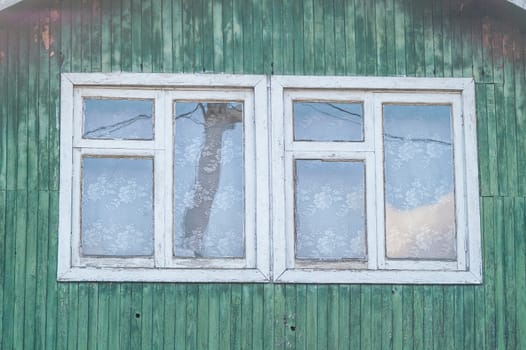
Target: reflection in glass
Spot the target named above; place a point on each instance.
(328, 121)
(330, 209)
(117, 211)
(118, 119)
(419, 182)
(208, 180)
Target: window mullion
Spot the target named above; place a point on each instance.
(379, 185)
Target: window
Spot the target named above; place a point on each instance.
(343, 180)
(159, 180)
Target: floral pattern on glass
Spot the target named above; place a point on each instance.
(419, 182)
(118, 119)
(330, 210)
(208, 180)
(117, 206)
(328, 121)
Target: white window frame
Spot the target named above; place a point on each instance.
(373, 92)
(268, 173)
(164, 89)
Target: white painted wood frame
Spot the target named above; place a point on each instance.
(374, 91)
(164, 90)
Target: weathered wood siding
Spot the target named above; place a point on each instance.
(319, 37)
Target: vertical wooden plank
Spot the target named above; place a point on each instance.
(328, 37)
(428, 317)
(3, 107)
(158, 49)
(93, 26)
(280, 317)
(202, 317)
(290, 314)
(136, 36)
(12, 98)
(287, 42)
(22, 112)
(360, 36)
(500, 315)
(191, 316)
(146, 316)
(366, 318)
(187, 37)
(43, 114)
(167, 36)
(488, 239)
(487, 55)
(469, 318)
(400, 313)
(208, 36)
(102, 311)
(277, 37)
(62, 321)
(180, 317)
(344, 305)
(42, 269)
(509, 110)
(520, 112)
(197, 18)
(438, 317)
(370, 37)
(386, 339)
(312, 319)
(267, 36)
(418, 317)
(429, 49)
(333, 316)
(476, 43)
(502, 151)
(235, 326)
(217, 34)
(2, 255)
(308, 37)
(9, 269)
(248, 37)
(225, 317)
(177, 36)
(355, 317)
(116, 35)
(449, 317)
(214, 321)
(126, 35)
(301, 317)
(400, 36)
(170, 315)
(31, 270)
(520, 269)
(467, 50)
(158, 317)
(482, 136)
(298, 37)
(83, 311)
(73, 316)
(146, 36)
(136, 317)
(51, 307)
(509, 273)
(106, 36)
(247, 317)
(258, 317)
(411, 323)
(438, 39)
(492, 139)
(381, 37)
(228, 35)
(390, 37)
(93, 315)
(447, 36)
(126, 316)
(85, 36)
(20, 267)
(114, 319)
(32, 117)
(323, 317)
(53, 102)
(418, 32)
(377, 317)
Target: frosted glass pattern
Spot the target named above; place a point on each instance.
(209, 195)
(328, 121)
(419, 182)
(118, 119)
(117, 206)
(330, 210)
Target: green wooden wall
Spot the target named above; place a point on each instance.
(316, 37)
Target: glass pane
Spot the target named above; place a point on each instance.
(419, 182)
(328, 121)
(118, 119)
(209, 195)
(117, 206)
(330, 210)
